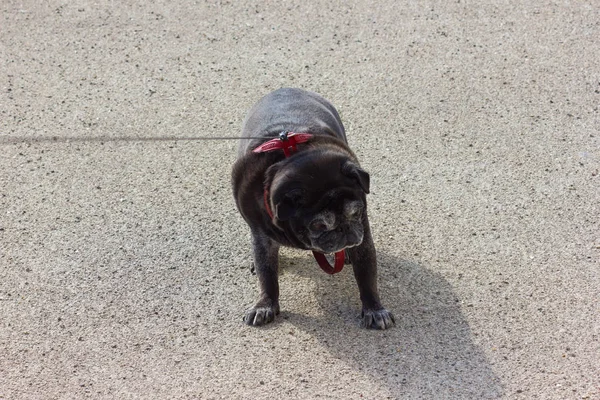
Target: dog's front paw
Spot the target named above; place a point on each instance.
(262, 313)
(377, 319)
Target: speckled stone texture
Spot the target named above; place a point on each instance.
(125, 268)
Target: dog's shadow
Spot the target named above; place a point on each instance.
(430, 351)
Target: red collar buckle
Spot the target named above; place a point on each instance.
(287, 142)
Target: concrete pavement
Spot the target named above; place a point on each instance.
(125, 268)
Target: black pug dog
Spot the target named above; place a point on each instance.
(313, 199)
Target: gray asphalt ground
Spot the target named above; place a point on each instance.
(125, 268)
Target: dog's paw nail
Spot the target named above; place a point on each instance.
(377, 319)
(257, 315)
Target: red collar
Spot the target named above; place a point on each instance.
(287, 141)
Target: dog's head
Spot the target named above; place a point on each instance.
(319, 197)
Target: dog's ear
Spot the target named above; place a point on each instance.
(288, 205)
(270, 175)
(361, 176)
(287, 202)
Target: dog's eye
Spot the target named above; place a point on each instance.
(353, 209)
(355, 213)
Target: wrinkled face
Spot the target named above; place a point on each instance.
(334, 228)
(322, 203)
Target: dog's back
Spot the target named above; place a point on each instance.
(292, 110)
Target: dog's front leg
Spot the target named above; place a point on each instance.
(266, 264)
(364, 264)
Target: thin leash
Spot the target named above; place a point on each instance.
(102, 139)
